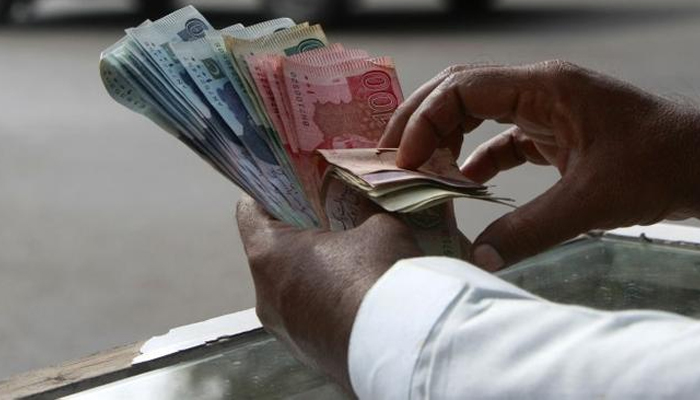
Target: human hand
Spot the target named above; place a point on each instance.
(309, 283)
(626, 157)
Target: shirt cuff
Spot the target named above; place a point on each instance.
(396, 318)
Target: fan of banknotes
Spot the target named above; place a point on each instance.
(259, 102)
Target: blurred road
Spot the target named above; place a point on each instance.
(111, 231)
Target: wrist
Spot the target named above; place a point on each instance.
(325, 307)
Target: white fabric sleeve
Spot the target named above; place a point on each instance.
(438, 328)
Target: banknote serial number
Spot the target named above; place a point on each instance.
(299, 99)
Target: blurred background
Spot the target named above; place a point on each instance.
(112, 232)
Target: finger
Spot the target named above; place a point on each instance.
(562, 212)
(525, 96)
(397, 123)
(505, 151)
(395, 128)
(454, 143)
(474, 95)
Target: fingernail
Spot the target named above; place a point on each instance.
(486, 257)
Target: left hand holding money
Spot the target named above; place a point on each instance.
(310, 283)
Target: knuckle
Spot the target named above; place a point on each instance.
(244, 206)
(453, 80)
(562, 80)
(466, 80)
(559, 66)
(452, 69)
(562, 71)
(462, 68)
(442, 98)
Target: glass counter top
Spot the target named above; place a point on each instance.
(615, 274)
(599, 272)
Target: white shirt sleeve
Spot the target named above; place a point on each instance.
(438, 328)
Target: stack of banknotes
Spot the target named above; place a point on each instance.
(259, 102)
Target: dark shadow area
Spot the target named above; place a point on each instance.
(523, 19)
(504, 19)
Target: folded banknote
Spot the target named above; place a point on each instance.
(258, 102)
(374, 173)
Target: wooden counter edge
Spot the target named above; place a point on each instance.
(106, 367)
(98, 369)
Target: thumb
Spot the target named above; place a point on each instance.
(560, 213)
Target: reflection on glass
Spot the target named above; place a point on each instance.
(615, 274)
(601, 273)
(257, 368)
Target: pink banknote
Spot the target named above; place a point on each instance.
(344, 105)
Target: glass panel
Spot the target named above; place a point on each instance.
(258, 368)
(615, 274)
(603, 273)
